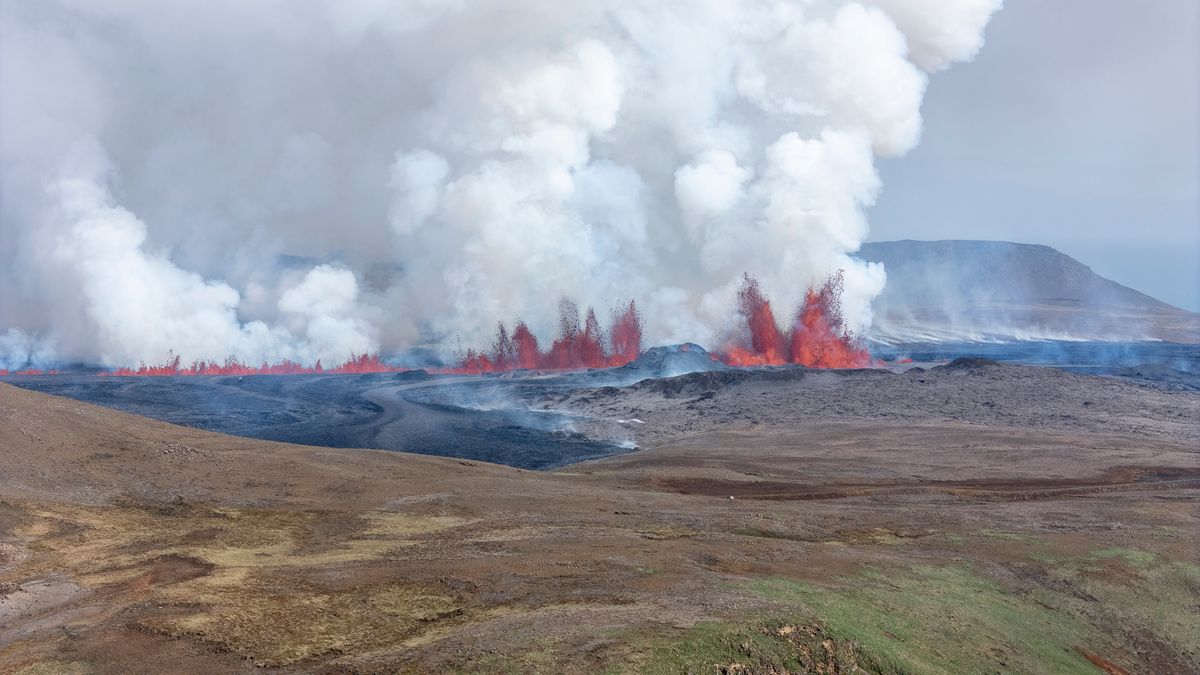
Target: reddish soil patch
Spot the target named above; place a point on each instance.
(169, 569)
(1019, 489)
(1102, 663)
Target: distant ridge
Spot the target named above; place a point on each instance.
(954, 290)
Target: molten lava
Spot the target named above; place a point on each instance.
(577, 347)
(364, 363)
(817, 338)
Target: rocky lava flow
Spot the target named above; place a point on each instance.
(542, 420)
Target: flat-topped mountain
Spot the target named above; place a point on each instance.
(996, 290)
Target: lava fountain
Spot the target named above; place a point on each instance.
(578, 345)
(817, 338)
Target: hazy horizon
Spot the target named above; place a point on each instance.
(1081, 258)
(1075, 127)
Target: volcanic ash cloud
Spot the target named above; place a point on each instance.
(273, 182)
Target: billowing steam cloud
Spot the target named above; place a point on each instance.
(267, 181)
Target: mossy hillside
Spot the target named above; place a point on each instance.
(940, 620)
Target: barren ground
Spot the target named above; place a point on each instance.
(978, 518)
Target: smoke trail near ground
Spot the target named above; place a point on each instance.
(280, 182)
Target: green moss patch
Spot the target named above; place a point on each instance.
(940, 620)
(1146, 602)
(765, 646)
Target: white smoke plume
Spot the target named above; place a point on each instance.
(272, 180)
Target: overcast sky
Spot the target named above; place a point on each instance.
(1076, 126)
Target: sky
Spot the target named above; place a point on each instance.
(1076, 127)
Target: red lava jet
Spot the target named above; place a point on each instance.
(817, 338)
(577, 347)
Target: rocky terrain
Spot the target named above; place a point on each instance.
(966, 391)
(974, 517)
(993, 290)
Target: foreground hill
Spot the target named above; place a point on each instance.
(756, 531)
(987, 290)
